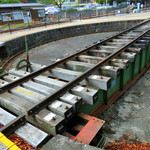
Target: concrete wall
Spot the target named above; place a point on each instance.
(16, 45)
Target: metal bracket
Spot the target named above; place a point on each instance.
(88, 131)
(28, 64)
(3, 72)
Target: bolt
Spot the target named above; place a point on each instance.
(54, 118)
(67, 107)
(87, 90)
(77, 99)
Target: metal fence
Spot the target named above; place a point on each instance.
(62, 17)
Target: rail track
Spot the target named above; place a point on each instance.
(61, 97)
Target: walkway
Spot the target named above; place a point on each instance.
(7, 36)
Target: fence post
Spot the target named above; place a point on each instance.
(29, 25)
(90, 16)
(96, 12)
(45, 21)
(9, 28)
(59, 20)
(80, 16)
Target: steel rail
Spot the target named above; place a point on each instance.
(36, 73)
(11, 127)
(14, 125)
(48, 100)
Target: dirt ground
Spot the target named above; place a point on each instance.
(129, 117)
(130, 114)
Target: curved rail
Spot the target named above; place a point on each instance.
(49, 99)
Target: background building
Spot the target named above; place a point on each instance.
(21, 12)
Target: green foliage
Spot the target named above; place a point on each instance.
(8, 1)
(55, 2)
(31, 1)
(109, 1)
(103, 1)
(70, 10)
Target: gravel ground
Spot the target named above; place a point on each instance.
(129, 115)
(47, 53)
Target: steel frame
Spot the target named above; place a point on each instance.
(8, 129)
(36, 73)
(101, 108)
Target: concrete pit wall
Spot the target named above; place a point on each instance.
(16, 45)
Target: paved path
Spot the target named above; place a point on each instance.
(7, 36)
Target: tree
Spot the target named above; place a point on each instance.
(9, 1)
(31, 1)
(56, 2)
(109, 1)
(103, 1)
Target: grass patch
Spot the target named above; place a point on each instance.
(12, 26)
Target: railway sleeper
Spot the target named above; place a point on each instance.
(124, 55)
(88, 95)
(27, 132)
(19, 105)
(68, 75)
(106, 70)
(64, 110)
(121, 63)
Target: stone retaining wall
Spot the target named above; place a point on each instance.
(16, 45)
